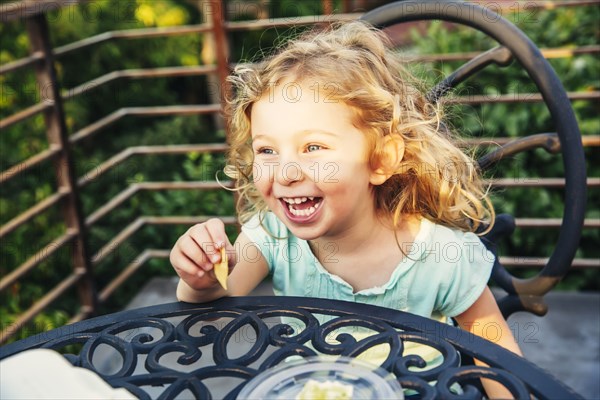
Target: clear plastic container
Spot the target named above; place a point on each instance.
(286, 380)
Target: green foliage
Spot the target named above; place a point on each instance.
(555, 28)
(24, 140)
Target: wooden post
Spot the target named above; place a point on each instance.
(56, 131)
(215, 50)
(327, 7)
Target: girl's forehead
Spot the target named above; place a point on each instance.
(309, 84)
(284, 117)
(290, 108)
(301, 97)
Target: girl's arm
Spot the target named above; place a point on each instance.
(251, 268)
(484, 319)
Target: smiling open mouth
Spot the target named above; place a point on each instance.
(302, 206)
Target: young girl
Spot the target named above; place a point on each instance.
(350, 188)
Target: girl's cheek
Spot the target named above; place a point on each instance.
(256, 172)
(261, 173)
(255, 175)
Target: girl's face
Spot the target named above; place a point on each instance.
(310, 162)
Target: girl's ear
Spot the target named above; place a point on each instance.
(389, 160)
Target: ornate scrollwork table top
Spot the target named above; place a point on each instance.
(212, 350)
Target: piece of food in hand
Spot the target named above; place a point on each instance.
(222, 269)
(327, 390)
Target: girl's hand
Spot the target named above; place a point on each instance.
(194, 254)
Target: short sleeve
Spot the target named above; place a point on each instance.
(466, 276)
(264, 231)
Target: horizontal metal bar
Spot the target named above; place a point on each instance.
(39, 306)
(104, 167)
(136, 74)
(547, 141)
(140, 222)
(548, 53)
(34, 260)
(96, 126)
(29, 163)
(132, 34)
(552, 223)
(109, 247)
(173, 110)
(22, 62)
(509, 5)
(528, 262)
(142, 111)
(133, 189)
(113, 203)
(202, 185)
(288, 21)
(127, 272)
(537, 182)
(188, 220)
(587, 141)
(28, 8)
(32, 212)
(26, 113)
(515, 97)
(145, 150)
(499, 55)
(80, 316)
(568, 52)
(180, 148)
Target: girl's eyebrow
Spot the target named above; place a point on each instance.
(299, 133)
(317, 131)
(260, 136)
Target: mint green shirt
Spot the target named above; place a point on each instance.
(444, 274)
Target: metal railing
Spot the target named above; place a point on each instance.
(61, 144)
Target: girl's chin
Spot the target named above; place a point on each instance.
(309, 231)
(305, 233)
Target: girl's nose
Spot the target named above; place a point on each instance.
(289, 172)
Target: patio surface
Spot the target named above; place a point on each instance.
(565, 342)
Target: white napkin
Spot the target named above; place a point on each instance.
(45, 374)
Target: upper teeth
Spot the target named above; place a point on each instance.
(291, 201)
(297, 200)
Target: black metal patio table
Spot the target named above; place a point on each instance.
(168, 349)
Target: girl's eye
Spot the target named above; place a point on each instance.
(313, 147)
(264, 150)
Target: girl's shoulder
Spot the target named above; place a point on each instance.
(442, 233)
(446, 247)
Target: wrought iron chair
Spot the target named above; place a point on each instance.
(523, 294)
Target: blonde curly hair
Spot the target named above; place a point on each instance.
(435, 179)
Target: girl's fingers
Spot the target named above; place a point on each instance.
(216, 229)
(202, 244)
(185, 266)
(211, 237)
(190, 249)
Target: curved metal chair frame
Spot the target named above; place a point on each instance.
(523, 294)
